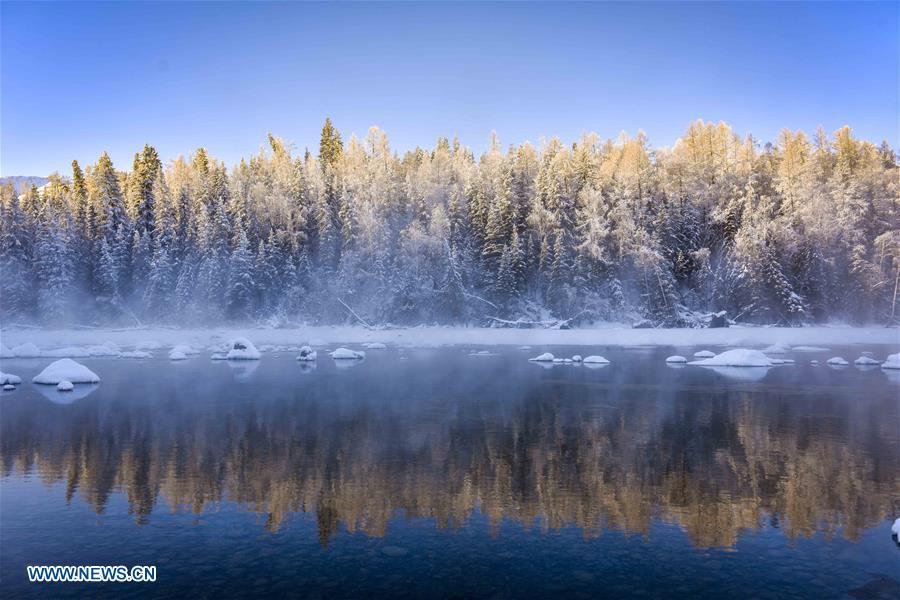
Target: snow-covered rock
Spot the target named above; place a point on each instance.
(704, 354)
(66, 369)
(676, 359)
(148, 345)
(218, 356)
(782, 361)
(809, 349)
(837, 361)
(895, 528)
(739, 357)
(595, 360)
(185, 349)
(347, 354)
(374, 346)
(242, 349)
(176, 354)
(65, 386)
(813, 362)
(307, 354)
(545, 357)
(577, 358)
(777, 348)
(9, 387)
(136, 354)
(866, 361)
(9, 378)
(892, 362)
(27, 350)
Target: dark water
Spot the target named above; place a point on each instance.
(431, 473)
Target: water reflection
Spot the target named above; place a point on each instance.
(441, 437)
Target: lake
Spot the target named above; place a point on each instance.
(435, 473)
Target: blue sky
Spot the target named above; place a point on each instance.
(80, 78)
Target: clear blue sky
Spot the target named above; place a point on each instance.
(80, 78)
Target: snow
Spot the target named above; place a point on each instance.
(176, 354)
(895, 528)
(347, 354)
(777, 348)
(809, 349)
(613, 335)
(595, 360)
(837, 360)
(26, 350)
(9, 387)
(482, 353)
(813, 362)
(866, 361)
(148, 345)
(185, 349)
(739, 357)
(577, 358)
(892, 362)
(5, 352)
(66, 369)
(67, 352)
(545, 357)
(374, 345)
(218, 356)
(676, 359)
(704, 354)
(9, 379)
(242, 349)
(307, 354)
(65, 386)
(136, 354)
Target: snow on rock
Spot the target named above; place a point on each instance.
(374, 346)
(675, 359)
(866, 361)
(777, 348)
(704, 354)
(185, 349)
(27, 350)
(813, 362)
(9, 387)
(837, 360)
(218, 356)
(136, 354)
(577, 358)
(892, 362)
(242, 349)
(347, 354)
(66, 369)
(176, 354)
(809, 349)
(545, 357)
(782, 361)
(148, 345)
(9, 379)
(307, 354)
(739, 357)
(595, 360)
(65, 386)
(563, 360)
(895, 528)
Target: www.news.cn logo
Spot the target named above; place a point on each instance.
(91, 574)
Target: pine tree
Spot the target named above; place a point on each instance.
(241, 290)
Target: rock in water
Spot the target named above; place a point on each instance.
(66, 369)
(65, 386)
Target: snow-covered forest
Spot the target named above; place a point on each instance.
(798, 231)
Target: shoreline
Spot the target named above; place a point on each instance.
(461, 336)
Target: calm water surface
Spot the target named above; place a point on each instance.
(432, 473)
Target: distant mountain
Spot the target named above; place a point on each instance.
(23, 182)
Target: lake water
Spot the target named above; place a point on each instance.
(433, 473)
